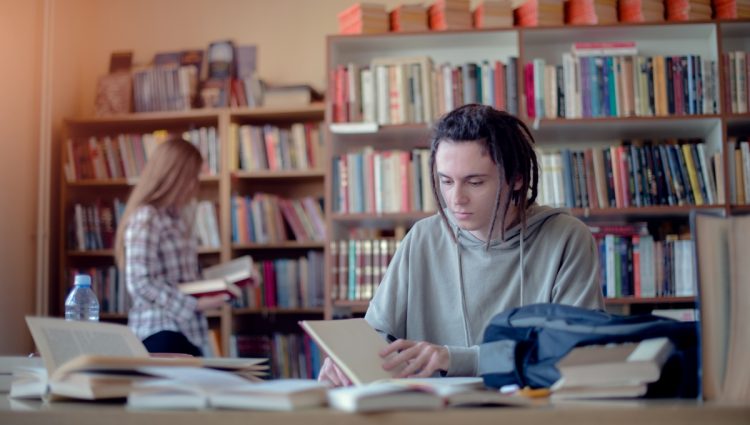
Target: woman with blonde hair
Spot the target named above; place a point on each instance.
(155, 249)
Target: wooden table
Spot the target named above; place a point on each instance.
(663, 412)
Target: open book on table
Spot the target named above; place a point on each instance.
(225, 278)
(191, 388)
(354, 345)
(92, 360)
(612, 370)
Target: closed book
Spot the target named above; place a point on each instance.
(613, 364)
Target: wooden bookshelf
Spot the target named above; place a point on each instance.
(709, 39)
(217, 188)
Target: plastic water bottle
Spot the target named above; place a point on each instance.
(81, 303)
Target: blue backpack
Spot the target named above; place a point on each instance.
(521, 346)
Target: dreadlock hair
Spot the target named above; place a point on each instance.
(510, 145)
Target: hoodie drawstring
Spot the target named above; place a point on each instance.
(464, 311)
(523, 274)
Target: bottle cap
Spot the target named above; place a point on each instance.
(82, 280)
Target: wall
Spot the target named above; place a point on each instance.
(20, 42)
(290, 34)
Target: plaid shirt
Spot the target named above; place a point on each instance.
(159, 254)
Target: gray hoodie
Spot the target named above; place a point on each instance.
(446, 293)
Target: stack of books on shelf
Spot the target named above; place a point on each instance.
(290, 355)
(206, 226)
(286, 283)
(739, 170)
(382, 182)
(412, 91)
(125, 155)
(358, 266)
(688, 10)
(537, 13)
(609, 79)
(731, 9)
(450, 15)
(93, 226)
(108, 285)
(408, 17)
(641, 10)
(363, 18)
(256, 148)
(493, 14)
(590, 12)
(635, 174)
(264, 217)
(736, 78)
(634, 264)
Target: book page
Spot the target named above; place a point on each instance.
(60, 341)
(353, 345)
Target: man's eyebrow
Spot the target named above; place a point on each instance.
(470, 176)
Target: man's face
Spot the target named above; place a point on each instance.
(468, 182)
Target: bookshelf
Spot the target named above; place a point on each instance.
(348, 54)
(217, 186)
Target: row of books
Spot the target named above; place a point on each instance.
(739, 170)
(286, 283)
(634, 174)
(358, 266)
(290, 355)
(255, 148)
(413, 90)
(736, 71)
(93, 225)
(634, 264)
(164, 88)
(264, 218)
(108, 285)
(388, 181)
(621, 86)
(125, 155)
(206, 226)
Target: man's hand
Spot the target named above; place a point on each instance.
(421, 359)
(211, 302)
(331, 373)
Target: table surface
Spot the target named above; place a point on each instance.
(657, 412)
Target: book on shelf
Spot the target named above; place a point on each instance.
(92, 361)
(224, 278)
(724, 304)
(289, 96)
(599, 371)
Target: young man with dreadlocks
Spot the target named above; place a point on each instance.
(491, 248)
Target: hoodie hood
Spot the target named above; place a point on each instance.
(537, 215)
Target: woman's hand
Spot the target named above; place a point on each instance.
(418, 358)
(211, 302)
(331, 373)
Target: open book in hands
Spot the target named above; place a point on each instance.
(92, 360)
(225, 278)
(354, 346)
